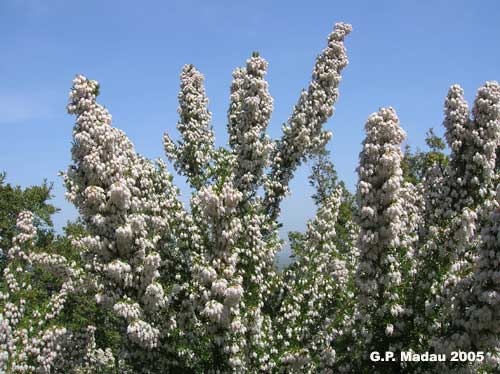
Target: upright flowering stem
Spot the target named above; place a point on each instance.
(193, 152)
(382, 253)
(249, 114)
(131, 210)
(303, 134)
(443, 196)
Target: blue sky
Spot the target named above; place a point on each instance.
(403, 54)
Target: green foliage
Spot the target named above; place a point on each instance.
(416, 164)
(323, 177)
(81, 310)
(13, 200)
(324, 180)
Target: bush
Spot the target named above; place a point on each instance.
(408, 264)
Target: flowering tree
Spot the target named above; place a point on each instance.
(410, 265)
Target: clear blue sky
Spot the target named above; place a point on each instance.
(402, 53)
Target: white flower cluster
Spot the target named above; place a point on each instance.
(143, 334)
